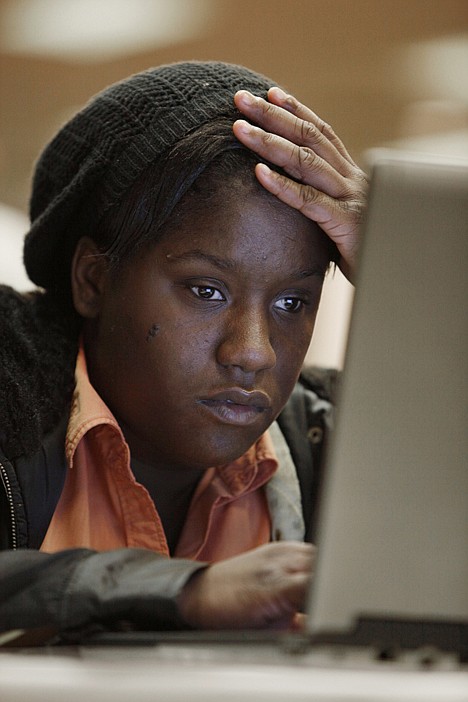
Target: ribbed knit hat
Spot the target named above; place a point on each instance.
(100, 153)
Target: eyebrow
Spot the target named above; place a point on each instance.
(229, 265)
(309, 272)
(198, 255)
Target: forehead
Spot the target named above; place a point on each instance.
(243, 224)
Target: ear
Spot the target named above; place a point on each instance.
(88, 278)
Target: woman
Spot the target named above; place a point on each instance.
(146, 479)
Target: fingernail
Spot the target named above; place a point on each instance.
(280, 93)
(263, 169)
(246, 97)
(243, 126)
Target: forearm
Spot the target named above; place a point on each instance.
(77, 588)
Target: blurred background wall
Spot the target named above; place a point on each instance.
(384, 73)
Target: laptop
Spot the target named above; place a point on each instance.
(392, 570)
(393, 524)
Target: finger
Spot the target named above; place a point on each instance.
(287, 548)
(289, 102)
(302, 132)
(300, 562)
(298, 622)
(300, 162)
(313, 202)
(295, 593)
(287, 552)
(340, 219)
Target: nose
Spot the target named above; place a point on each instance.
(246, 342)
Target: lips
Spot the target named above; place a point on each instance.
(237, 406)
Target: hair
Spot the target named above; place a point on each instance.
(144, 213)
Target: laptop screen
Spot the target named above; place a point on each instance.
(393, 524)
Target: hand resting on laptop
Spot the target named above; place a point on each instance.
(263, 588)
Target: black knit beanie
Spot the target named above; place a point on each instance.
(100, 153)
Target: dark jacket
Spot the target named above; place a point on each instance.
(78, 588)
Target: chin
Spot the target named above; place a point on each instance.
(229, 451)
(218, 452)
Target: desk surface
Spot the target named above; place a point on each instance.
(167, 674)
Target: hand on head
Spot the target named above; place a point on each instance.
(263, 588)
(326, 185)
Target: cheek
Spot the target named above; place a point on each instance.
(124, 344)
(294, 341)
(152, 332)
(174, 354)
(290, 354)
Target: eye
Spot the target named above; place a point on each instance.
(207, 292)
(290, 304)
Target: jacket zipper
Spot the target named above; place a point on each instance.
(9, 496)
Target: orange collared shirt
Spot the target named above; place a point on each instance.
(103, 507)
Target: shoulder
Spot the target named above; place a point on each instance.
(308, 415)
(312, 401)
(37, 358)
(15, 321)
(305, 423)
(322, 381)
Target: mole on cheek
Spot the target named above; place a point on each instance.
(152, 331)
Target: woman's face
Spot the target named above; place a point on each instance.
(196, 345)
